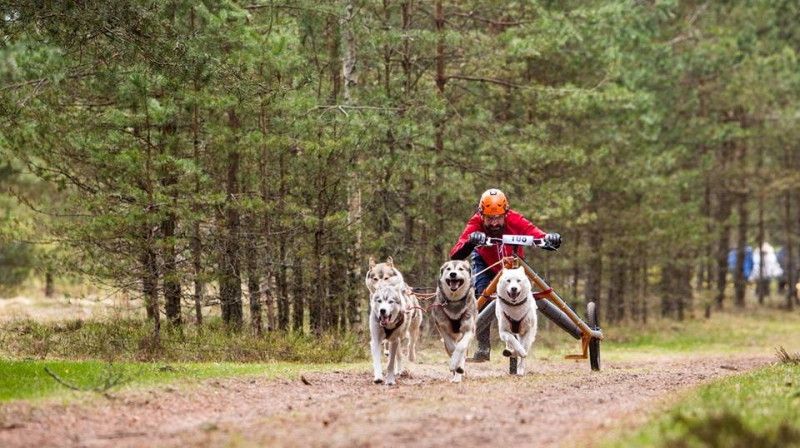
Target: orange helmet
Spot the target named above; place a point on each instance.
(493, 202)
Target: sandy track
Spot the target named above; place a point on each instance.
(559, 401)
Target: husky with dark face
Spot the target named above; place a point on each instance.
(455, 313)
(516, 315)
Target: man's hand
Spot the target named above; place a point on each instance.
(477, 238)
(553, 240)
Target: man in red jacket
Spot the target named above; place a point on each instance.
(493, 219)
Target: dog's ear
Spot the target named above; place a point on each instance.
(389, 262)
(371, 262)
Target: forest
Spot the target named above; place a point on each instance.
(254, 154)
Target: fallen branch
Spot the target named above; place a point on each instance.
(110, 379)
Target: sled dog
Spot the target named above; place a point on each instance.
(390, 320)
(455, 313)
(386, 274)
(516, 315)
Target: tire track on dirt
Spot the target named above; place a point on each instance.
(558, 401)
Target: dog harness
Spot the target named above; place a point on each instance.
(514, 323)
(455, 324)
(388, 331)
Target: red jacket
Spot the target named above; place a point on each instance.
(516, 224)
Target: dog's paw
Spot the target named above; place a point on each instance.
(507, 353)
(456, 378)
(454, 365)
(523, 354)
(378, 380)
(520, 371)
(390, 381)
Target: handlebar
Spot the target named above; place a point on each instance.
(519, 240)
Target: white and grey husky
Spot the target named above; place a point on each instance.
(389, 294)
(516, 315)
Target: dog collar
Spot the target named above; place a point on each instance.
(446, 300)
(510, 303)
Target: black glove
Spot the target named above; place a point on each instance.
(553, 240)
(477, 238)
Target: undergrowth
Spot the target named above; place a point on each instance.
(131, 340)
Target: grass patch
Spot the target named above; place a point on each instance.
(28, 380)
(757, 409)
(756, 330)
(126, 340)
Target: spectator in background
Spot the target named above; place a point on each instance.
(765, 260)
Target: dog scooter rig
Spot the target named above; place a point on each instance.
(548, 302)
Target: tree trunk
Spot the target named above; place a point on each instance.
(739, 281)
(594, 264)
(150, 256)
(230, 271)
(150, 276)
(704, 271)
(196, 243)
(172, 284)
(270, 287)
(643, 283)
(352, 308)
(667, 290)
(791, 289)
(762, 285)
(251, 257)
(299, 299)
(615, 306)
(723, 213)
(265, 254)
(49, 290)
(197, 264)
(349, 60)
(315, 307)
(438, 203)
(283, 293)
(594, 273)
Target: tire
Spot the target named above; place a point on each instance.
(512, 365)
(594, 343)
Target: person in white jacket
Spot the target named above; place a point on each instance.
(772, 269)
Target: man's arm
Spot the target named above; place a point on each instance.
(463, 247)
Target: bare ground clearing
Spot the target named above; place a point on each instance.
(558, 403)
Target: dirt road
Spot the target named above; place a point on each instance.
(557, 404)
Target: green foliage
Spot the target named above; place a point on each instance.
(15, 265)
(205, 135)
